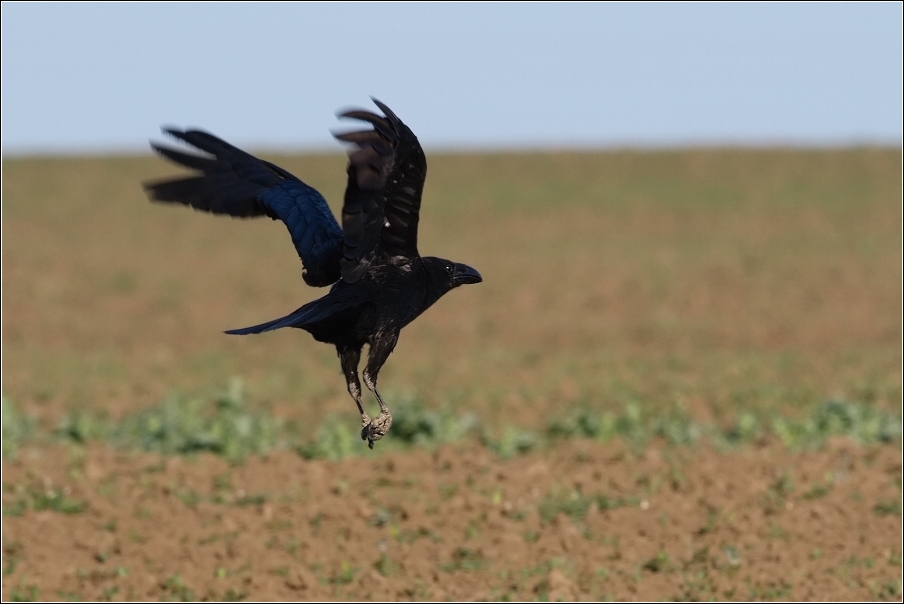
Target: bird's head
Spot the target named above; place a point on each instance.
(451, 274)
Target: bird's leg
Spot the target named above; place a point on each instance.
(378, 354)
(381, 424)
(349, 358)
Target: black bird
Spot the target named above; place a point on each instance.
(380, 281)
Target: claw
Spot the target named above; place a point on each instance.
(376, 428)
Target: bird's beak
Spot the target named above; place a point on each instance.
(464, 274)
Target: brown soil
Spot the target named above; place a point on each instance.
(461, 524)
(721, 282)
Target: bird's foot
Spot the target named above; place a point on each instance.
(365, 421)
(377, 428)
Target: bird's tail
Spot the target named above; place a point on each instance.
(296, 319)
(304, 317)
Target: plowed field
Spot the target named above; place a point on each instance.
(682, 377)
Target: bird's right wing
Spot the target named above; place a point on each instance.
(236, 183)
(386, 175)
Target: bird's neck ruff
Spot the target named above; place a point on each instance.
(429, 298)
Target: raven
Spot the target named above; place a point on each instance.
(380, 283)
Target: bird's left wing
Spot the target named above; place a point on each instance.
(236, 183)
(386, 175)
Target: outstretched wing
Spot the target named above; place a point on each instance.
(386, 175)
(236, 183)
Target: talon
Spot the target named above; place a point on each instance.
(377, 428)
(365, 424)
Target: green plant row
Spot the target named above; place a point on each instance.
(227, 426)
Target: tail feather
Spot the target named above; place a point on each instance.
(295, 319)
(307, 315)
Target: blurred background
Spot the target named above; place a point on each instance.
(102, 77)
(688, 220)
(674, 206)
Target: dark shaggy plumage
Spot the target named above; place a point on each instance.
(380, 281)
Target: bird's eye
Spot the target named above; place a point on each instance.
(449, 269)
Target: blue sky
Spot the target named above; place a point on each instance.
(104, 77)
